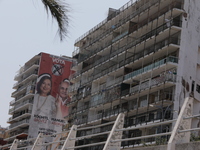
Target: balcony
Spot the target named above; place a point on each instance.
(108, 95)
(20, 124)
(113, 112)
(150, 67)
(74, 87)
(94, 130)
(114, 81)
(19, 116)
(86, 80)
(11, 110)
(19, 91)
(155, 48)
(99, 88)
(19, 73)
(134, 14)
(140, 106)
(12, 102)
(18, 134)
(153, 82)
(73, 100)
(75, 75)
(106, 114)
(95, 117)
(146, 36)
(29, 94)
(175, 22)
(120, 36)
(101, 73)
(23, 104)
(82, 108)
(149, 117)
(30, 64)
(81, 121)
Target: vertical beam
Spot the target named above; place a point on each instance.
(68, 141)
(38, 142)
(182, 124)
(14, 145)
(119, 124)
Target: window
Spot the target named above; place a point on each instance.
(198, 88)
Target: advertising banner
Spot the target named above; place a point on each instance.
(51, 95)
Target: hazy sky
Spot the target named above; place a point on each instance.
(26, 30)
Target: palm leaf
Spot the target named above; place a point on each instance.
(59, 12)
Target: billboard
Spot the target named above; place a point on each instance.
(51, 95)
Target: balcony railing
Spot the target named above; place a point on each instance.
(108, 95)
(147, 51)
(153, 82)
(20, 89)
(30, 91)
(26, 67)
(135, 13)
(113, 112)
(26, 121)
(107, 113)
(81, 121)
(95, 117)
(114, 81)
(151, 66)
(19, 114)
(29, 101)
(86, 80)
(12, 102)
(99, 88)
(148, 118)
(173, 5)
(11, 110)
(18, 132)
(94, 131)
(75, 74)
(74, 87)
(82, 108)
(120, 36)
(25, 77)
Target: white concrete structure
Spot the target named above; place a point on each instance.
(142, 60)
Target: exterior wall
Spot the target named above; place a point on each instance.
(189, 56)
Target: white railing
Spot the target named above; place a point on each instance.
(180, 132)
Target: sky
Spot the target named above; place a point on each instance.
(26, 30)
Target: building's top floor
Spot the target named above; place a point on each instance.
(111, 14)
(127, 20)
(35, 60)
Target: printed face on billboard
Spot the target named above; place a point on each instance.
(49, 108)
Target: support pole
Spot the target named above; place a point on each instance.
(38, 142)
(119, 124)
(70, 141)
(14, 145)
(182, 124)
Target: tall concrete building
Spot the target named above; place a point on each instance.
(22, 107)
(142, 60)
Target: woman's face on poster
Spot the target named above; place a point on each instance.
(45, 87)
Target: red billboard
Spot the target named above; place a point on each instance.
(51, 95)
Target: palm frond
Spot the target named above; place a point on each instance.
(59, 12)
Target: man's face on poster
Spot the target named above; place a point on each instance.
(63, 90)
